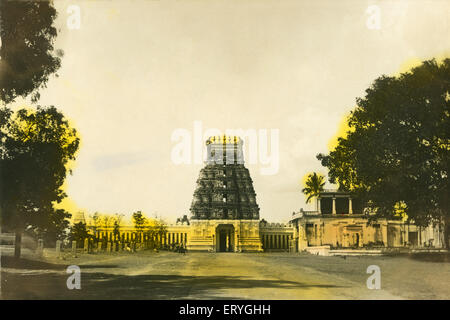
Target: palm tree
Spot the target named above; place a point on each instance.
(313, 186)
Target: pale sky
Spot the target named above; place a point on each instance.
(136, 71)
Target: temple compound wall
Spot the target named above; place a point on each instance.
(210, 235)
(276, 237)
(173, 235)
(306, 231)
(239, 236)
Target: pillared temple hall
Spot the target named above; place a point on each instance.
(225, 217)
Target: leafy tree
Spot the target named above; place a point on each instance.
(139, 221)
(155, 228)
(51, 226)
(313, 186)
(161, 227)
(106, 221)
(27, 54)
(396, 153)
(79, 232)
(35, 149)
(95, 222)
(117, 218)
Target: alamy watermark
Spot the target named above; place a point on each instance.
(260, 146)
(74, 18)
(373, 21)
(74, 280)
(374, 281)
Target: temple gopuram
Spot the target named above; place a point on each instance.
(224, 212)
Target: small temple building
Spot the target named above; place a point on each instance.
(340, 221)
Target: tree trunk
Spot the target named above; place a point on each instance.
(18, 244)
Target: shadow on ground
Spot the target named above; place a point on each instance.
(13, 263)
(109, 286)
(27, 264)
(435, 257)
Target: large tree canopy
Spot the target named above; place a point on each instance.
(35, 149)
(27, 54)
(396, 153)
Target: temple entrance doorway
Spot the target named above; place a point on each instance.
(225, 238)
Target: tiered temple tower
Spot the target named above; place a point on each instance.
(224, 212)
(224, 188)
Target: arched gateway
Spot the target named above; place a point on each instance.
(225, 238)
(224, 212)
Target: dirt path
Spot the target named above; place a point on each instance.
(169, 275)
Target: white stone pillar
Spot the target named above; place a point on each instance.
(350, 206)
(334, 206)
(40, 247)
(385, 234)
(58, 248)
(86, 245)
(407, 234)
(318, 205)
(420, 237)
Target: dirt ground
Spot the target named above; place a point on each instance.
(167, 275)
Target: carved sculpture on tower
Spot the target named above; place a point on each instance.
(224, 187)
(224, 212)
